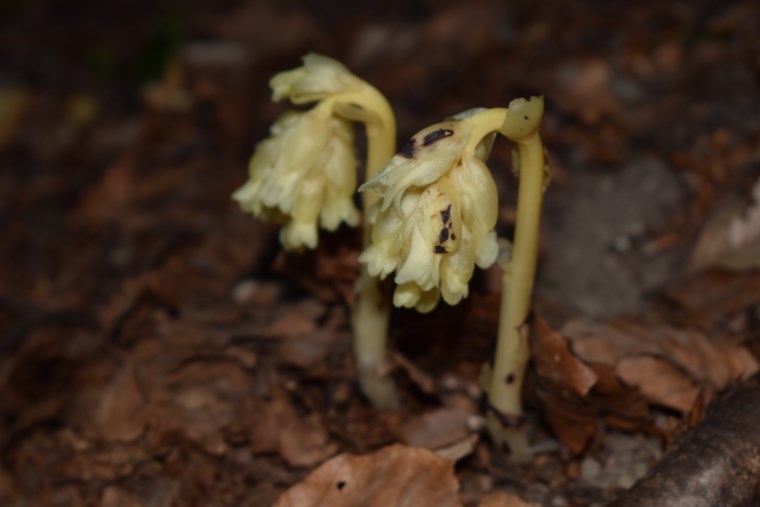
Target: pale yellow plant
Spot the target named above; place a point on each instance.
(437, 215)
(304, 176)
(435, 221)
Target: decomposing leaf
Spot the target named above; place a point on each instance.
(300, 319)
(114, 496)
(660, 381)
(617, 370)
(435, 429)
(305, 442)
(300, 440)
(310, 351)
(668, 365)
(395, 475)
(120, 415)
(564, 383)
(708, 297)
(501, 499)
(205, 397)
(557, 364)
(458, 450)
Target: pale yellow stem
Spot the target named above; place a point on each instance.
(371, 313)
(512, 350)
(484, 123)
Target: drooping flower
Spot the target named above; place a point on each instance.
(305, 173)
(437, 215)
(302, 175)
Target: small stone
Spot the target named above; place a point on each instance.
(256, 292)
(559, 501)
(590, 469)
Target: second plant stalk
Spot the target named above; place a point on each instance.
(432, 208)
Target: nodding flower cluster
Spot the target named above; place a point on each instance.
(430, 210)
(304, 174)
(436, 217)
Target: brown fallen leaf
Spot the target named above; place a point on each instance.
(555, 363)
(200, 400)
(501, 499)
(68, 495)
(105, 201)
(395, 475)
(706, 298)
(114, 496)
(309, 352)
(660, 381)
(575, 394)
(435, 429)
(120, 415)
(304, 442)
(300, 440)
(668, 365)
(621, 371)
(297, 320)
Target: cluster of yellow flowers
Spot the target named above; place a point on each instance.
(436, 218)
(305, 172)
(437, 212)
(431, 209)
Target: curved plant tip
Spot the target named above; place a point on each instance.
(304, 177)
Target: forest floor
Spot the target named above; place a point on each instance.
(157, 348)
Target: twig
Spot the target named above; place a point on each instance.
(717, 464)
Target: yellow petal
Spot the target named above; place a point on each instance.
(318, 78)
(304, 173)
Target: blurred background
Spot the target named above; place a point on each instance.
(125, 127)
(646, 104)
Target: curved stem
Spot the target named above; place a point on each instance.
(484, 123)
(512, 351)
(371, 314)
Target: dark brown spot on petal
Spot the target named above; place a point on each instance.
(407, 151)
(446, 215)
(510, 378)
(440, 249)
(436, 135)
(340, 485)
(525, 116)
(454, 236)
(443, 236)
